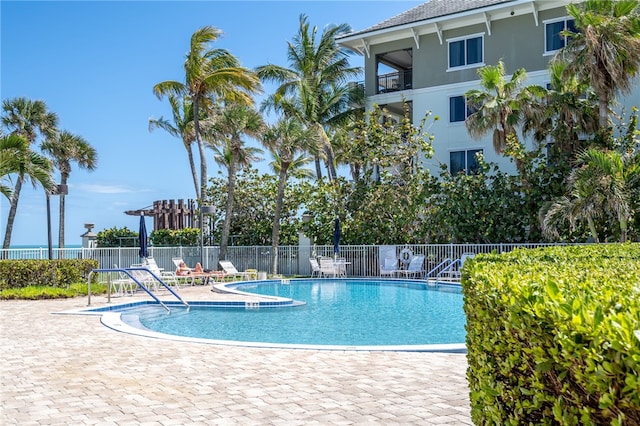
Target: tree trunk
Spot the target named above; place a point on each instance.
(318, 167)
(63, 181)
(203, 159)
(275, 236)
(194, 172)
(12, 212)
(226, 227)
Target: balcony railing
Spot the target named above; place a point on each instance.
(395, 81)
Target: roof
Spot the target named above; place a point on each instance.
(429, 10)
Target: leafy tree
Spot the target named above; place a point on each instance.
(182, 127)
(25, 118)
(210, 75)
(117, 237)
(255, 196)
(175, 237)
(605, 49)
(65, 148)
(315, 88)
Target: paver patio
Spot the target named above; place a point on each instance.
(70, 369)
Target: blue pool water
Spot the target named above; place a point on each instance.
(335, 312)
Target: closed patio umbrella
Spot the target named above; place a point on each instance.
(142, 236)
(336, 236)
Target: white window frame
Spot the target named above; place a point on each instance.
(564, 19)
(465, 66)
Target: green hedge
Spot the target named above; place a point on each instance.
(52, 273)
(550, 335)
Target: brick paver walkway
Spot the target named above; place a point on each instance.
(71, 370)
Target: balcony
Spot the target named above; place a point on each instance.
(395, 81)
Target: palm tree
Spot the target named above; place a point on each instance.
(603, 182)
(182, 127)
(315, 88)
(285, 140)
(64, 149)
(210, 75)
(605, 50)
(498, 108)
(17, 158)
(563, 113)
(26, 118)
(234, 122)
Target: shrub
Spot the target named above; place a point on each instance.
(49, 273)
(550, 335)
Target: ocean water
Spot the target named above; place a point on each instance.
(45, 246)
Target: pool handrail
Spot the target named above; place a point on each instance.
(444, 264)
(142, 286)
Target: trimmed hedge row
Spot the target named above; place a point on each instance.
(52, 273)
(551, 335)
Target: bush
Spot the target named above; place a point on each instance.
(550, 335)
(48, 273)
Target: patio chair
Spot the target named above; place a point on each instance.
(327, 267)
(231, 270)
(389, 267)
(315, 267)
(414, 269)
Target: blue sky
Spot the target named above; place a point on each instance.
(95, 63)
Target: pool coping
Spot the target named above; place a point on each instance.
(114, 321)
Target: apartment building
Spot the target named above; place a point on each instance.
(429, 56)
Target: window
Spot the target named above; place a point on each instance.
(553, 40)
(463, 161)
(465, 52)
(458, 109)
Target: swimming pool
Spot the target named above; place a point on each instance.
(354, 314)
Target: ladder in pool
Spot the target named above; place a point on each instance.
(128, 272)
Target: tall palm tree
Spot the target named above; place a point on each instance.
(210, 75)
(604, 182)
(605, 50)
(497, 107)
(286, 139)
(315, 88)
(66, 148)
(234, 122)
(182, 127)
(25, 118)
(17, 158)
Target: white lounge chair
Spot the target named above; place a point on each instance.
(231, 270)
(169, 277)
(389, 266)
(414, 269)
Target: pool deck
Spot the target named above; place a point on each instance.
(70, 369)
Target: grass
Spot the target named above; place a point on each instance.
(46, 292)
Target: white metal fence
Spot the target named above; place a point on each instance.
(364, 260)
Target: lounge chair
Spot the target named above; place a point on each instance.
(169, 277)
(389, 266)
(231, 270)
(414, 269)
